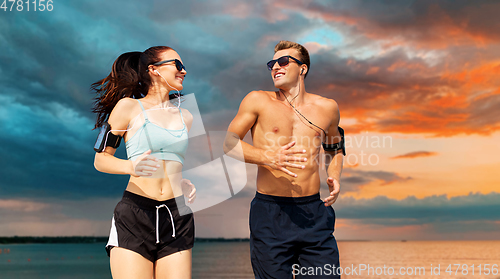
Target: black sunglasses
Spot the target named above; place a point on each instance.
(282, 61)
(178, 64)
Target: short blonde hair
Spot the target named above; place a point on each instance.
(304, 54)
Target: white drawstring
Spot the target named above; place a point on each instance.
(157, 222)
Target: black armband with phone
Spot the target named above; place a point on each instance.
(106, 138)
(338, 145)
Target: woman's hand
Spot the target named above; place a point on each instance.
(145, 165)
(188, 190)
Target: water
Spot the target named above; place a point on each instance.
(56, 261)
(422, 258)
(232, 259)
(222, 260)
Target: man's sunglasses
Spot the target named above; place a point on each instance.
(178, 64)
(282, 61)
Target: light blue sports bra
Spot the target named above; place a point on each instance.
(165, 144)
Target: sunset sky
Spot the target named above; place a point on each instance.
(417, 84)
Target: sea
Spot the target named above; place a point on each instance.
(359, 259)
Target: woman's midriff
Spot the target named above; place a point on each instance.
(164, 184)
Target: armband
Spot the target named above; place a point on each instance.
(338, 145)
(106, 138)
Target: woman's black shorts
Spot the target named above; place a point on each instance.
(152, 228)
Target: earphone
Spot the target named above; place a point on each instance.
(178, 92)
(290, 103)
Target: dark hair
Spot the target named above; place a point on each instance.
(128, 78)
(304, 54)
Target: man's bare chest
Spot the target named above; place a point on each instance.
(282, 123)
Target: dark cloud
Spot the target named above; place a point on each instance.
(431, 24)
(353, 180)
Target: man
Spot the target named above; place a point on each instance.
(291, 228)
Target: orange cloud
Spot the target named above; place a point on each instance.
(415, 154)
(407, 96)
(347, 165)
(372, 70)
(482, 76)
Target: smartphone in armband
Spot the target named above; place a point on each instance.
(101, 138)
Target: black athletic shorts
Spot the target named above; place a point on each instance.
(134, 226)
(292, 236)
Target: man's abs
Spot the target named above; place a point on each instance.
(277, 183)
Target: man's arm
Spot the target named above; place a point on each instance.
(334, 160)
(239, 127)
(241, 124)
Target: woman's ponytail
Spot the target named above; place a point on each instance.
(123, 81)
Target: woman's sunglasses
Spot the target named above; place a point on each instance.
(178, 64)
(282, 61)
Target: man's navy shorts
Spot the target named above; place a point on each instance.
(292, 235)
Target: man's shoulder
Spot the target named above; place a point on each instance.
(260, 94)
(326, 103)
(257, 97)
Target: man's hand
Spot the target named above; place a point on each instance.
(281, 159)
(334, 187)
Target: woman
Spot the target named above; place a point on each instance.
(152, 229)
